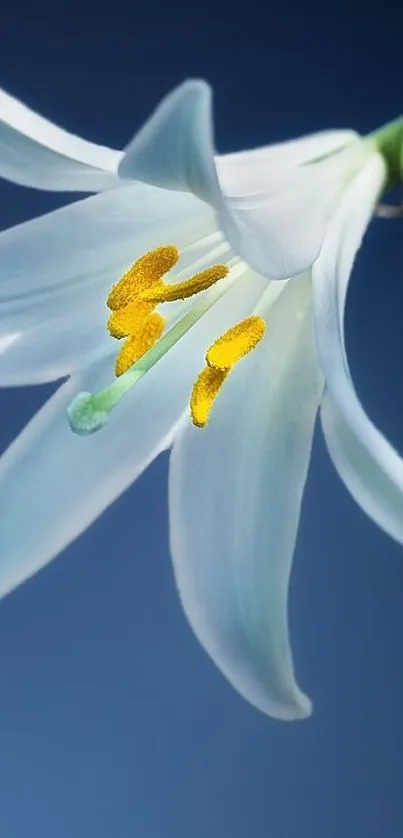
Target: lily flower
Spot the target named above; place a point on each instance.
(228, 359)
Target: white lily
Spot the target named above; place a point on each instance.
(298, 210)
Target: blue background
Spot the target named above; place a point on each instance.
(113, 722)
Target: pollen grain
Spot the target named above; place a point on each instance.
(137, 345)
(221, 357)
(142, 274)
(161, 293)
(236, 343)
(204, 393)
(127, 320)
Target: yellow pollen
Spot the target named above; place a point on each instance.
(161, 293)
(221, 357)
(127, 320)
(133, 300)
(137, 345)
(236, 343)
(205, 391)
(142, 274)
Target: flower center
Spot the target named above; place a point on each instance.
(136, 295)
(132, 302)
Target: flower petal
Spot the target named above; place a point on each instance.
(53, 348)
(273, 210)
(54, 484)
(35, 152)
(235, 497)
(371, 469)
(94, 237)
(56, 271)
(368, 465)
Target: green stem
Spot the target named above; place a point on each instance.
(389, 142)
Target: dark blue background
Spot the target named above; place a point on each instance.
(113, 722)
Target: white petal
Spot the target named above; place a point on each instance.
(55, 273)
(235, 497)
(371, 469)
(53, 348)
(94, 237)
(273, 210)
(35, 152)
(289, 153)
(53, 483)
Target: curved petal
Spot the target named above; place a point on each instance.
(55, 273)
(53, 348)
(235, 497)
(273, 210)
(35, 152)
(96, 236)
(375, 482)
(54, 484)
(289, 153)
(371, 469)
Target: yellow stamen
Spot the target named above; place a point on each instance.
(133, 301)
(142, 274)
(162, 293)
(137, 345)
(205, 391)
(127, 320)
(221, 357)
(88, 412)
(236, 343)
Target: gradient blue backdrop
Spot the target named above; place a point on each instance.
(113, 722)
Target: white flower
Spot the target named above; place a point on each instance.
(298, 210)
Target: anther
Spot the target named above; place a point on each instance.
(205, 391)
(137, 345)
(127, 320)
(222, 355)
(142, 274)
(236, 343)
(161, 293)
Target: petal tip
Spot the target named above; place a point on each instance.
(191, 87)
(298, 711)
(174, 149)
(292, 706)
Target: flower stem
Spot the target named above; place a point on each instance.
(388, 141)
